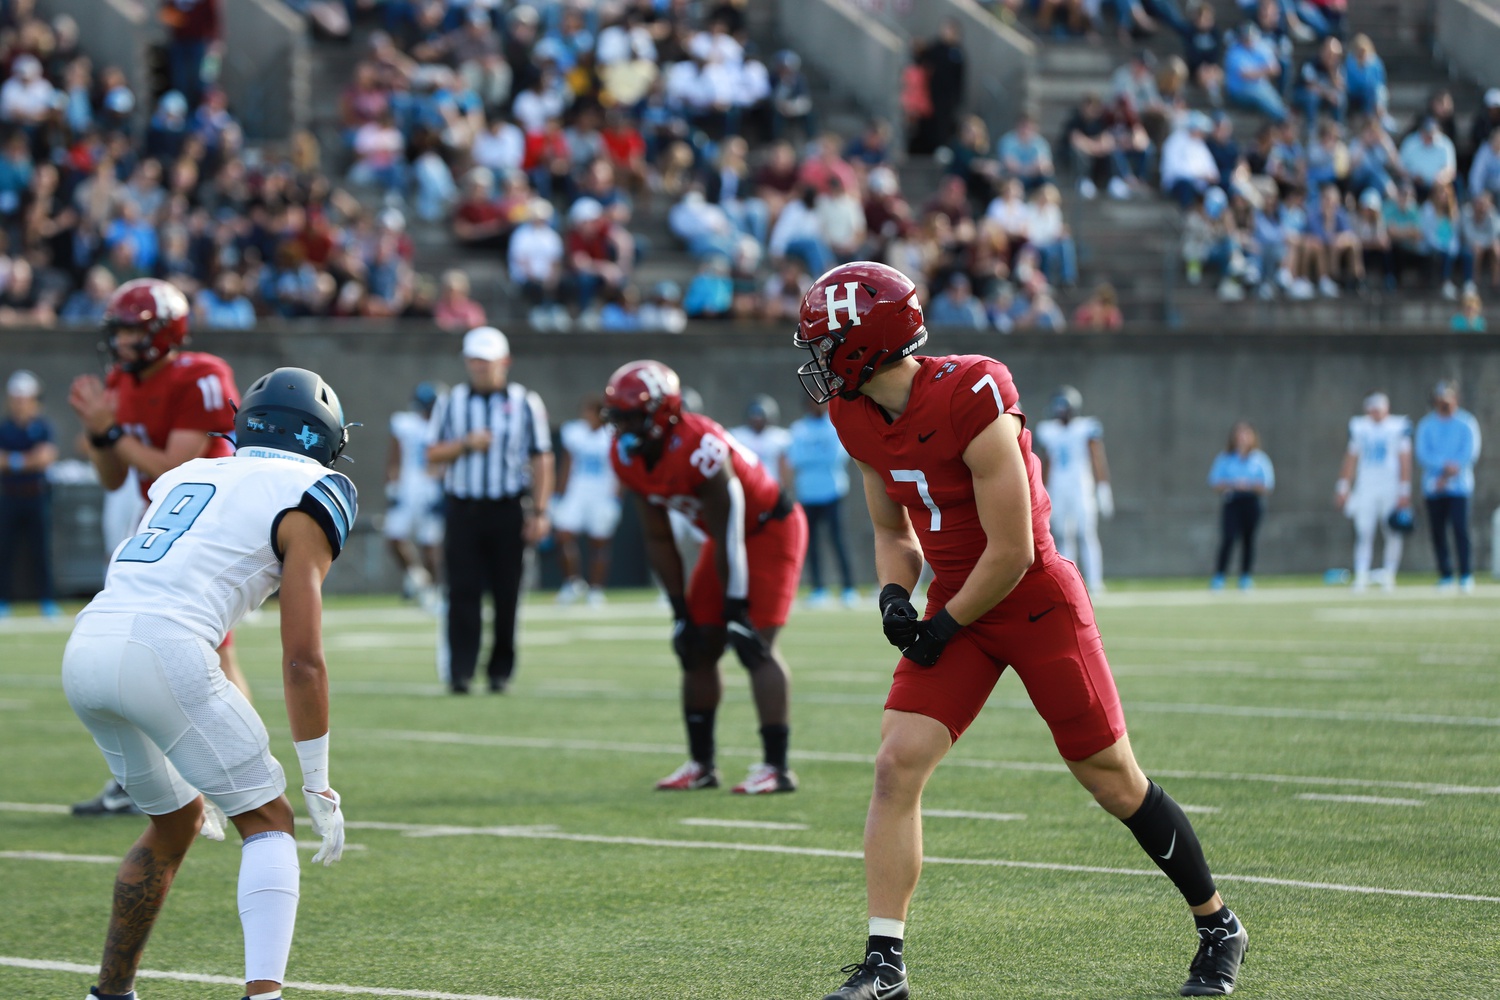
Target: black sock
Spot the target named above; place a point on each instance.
(1163, 831)
(774, 739)
(700, 728)
(888, 948)
(1222, 918)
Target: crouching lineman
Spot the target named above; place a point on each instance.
(747, 571)
(140, 670)
(950, 476)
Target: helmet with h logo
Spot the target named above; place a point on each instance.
(643, 400)
(856, 319)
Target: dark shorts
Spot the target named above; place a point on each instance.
(775, 551)
(1045, 631)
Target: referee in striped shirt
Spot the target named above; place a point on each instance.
(492, 435)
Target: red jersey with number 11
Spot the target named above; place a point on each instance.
(193, 392)
(919, 456)
(696, 449)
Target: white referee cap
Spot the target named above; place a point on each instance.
(486, 343)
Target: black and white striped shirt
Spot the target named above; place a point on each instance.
(517, 422)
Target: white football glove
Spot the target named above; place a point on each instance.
(328, 823)
(1104, 494)
(214, 821)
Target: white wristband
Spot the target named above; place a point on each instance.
(1342, 486)
(313, 755)
(1404, 491)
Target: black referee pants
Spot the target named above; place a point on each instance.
(483, 551)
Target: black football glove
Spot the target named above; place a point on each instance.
(898, 619)
(743, 636)
(684, 632)
(932, 635)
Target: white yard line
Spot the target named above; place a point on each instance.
(198, 977)
(966, 814)
(34, 807)
(87, 859)
(523, 833)
(742, 824)
(1366, 800)
(1050, 767)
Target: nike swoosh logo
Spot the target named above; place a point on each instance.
(884, 990)
(739, 629)
(1172, 847)
(922, 438)
(1044, 614)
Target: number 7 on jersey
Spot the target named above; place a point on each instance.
(916, 476)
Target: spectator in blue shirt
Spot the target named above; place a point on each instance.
(957, 306)
(1447, 446)
(1365, 72)
(821, 481)
(1025, 154)
(1242, 475)
(223, 307)
(26, 449)
(1250, 74)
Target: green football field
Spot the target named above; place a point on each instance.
(1337, 754)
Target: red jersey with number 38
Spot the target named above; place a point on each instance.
(919, 456)
(193, 392)
(695, 451)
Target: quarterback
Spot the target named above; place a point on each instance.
(950, 476)
(157, 407)
(747, 572)
(139, 670)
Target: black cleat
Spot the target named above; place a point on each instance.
(1216, 967)
(112, 801)
(873, 979)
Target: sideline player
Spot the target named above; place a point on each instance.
(1077, 477)
(158, 406)
(762, 433)
(949, 475)
(590, 502)
(414, 499)
(139, 669)
(747, 571)
(1378, 463)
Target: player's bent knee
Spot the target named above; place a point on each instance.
(274, 815)
(180, 826)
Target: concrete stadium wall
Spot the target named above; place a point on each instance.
(1000, 58)
(113, 33)
(1467, 34)
(1166, 400)
(267, 67)
(861, 57)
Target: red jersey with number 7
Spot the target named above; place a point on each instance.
(696, 449)
(919, 456)
(194, 392)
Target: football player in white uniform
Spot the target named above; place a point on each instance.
(141, 672)
(763, 435)
(1077, 475)
(414, 499)
(590, 502)
(1375, 482)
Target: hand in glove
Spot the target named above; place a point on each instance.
(932, 635)
(327, 822)
(898, 618)
(1104, 495)
(743, 635)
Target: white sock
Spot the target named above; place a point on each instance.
(266, 996)
(269, 875)
(886, 927)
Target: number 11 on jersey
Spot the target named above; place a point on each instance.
(916, 476)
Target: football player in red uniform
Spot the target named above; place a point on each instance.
(158, 407)
(950, 476)
(747, 572)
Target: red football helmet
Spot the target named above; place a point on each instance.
(856, 319)
(157, 307)
(643, 400)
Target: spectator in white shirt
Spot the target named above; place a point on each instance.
(27, 98)
(536, 255)
(1188, 167)
(1429, 158)
(546, 98)
(380, 155)
(842, 219)
(501, 146)
(799, 232)
(1011, 213)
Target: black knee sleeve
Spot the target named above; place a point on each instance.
(1163, 831)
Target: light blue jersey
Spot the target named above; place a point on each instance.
(818, 461)
(1443, 440)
